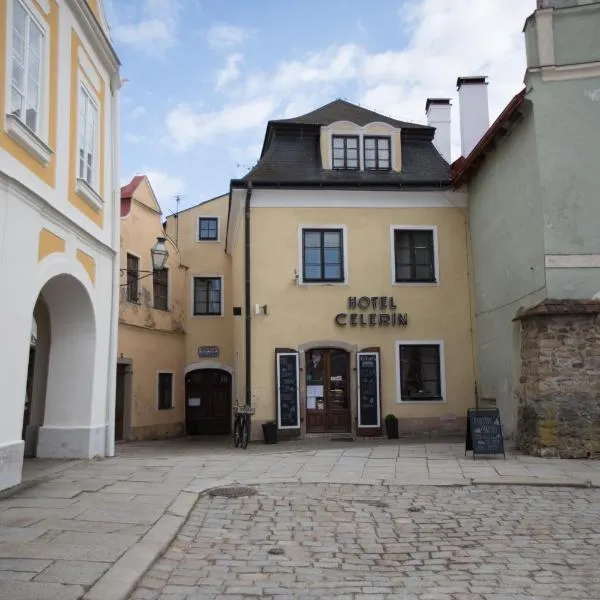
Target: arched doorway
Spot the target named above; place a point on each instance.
(59, 397)
(208, 402)
(327, 391)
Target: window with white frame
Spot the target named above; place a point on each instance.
(88, 127)
(414, 255)
(26, 68)
(208, 229)
(420, 371)
(322, 255)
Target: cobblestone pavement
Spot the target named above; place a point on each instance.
(378, 542)
(92, 528)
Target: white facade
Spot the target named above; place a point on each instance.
(59, 240)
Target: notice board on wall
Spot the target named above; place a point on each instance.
(288, 392)
(369, 404)
(484, 432)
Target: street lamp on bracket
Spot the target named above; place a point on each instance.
(159, 255)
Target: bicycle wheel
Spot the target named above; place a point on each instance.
(237, 434)
(245, 434)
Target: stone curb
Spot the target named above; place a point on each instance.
(120, 580)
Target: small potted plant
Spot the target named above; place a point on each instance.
(270, 432)
(391, 426)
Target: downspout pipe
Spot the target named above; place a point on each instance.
(248, 320)
(111, 380)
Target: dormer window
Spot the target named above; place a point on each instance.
(377, 153)
(345, 152)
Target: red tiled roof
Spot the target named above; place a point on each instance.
(462, 167)
(127, 190)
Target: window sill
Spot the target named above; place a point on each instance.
(323, 282)
(89, 195)
(28, 140)
(409, 283)
(165, 409)
(208, 241)
(421, 401)
(207, 315)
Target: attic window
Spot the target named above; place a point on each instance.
(345, 152)
(377, 153)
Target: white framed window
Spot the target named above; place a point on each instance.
(207, 296)
(27, 67)
(208, 229)
(165, 390)
(88, 138)
(414, 254)
(420, 371)
(322, 255)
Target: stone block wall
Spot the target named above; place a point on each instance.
(559, 392)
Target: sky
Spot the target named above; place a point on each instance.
(203, 77)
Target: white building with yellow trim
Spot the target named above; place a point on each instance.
(59, 231)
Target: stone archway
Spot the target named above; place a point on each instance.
(63, 372)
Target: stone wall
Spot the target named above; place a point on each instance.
(559, 392)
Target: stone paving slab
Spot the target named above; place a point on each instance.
(101, 511)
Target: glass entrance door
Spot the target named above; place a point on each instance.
(327, 391)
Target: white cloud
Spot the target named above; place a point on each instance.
(137, 113)
(165, 188)
(446, 39)
(134, 138)
(221, 36)
(230, 72)
(155, 29)
(186, 127)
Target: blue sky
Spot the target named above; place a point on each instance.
(204, 76)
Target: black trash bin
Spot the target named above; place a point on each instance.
(270, 432)
(391, 427)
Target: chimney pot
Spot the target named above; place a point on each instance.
(474, 111)
(438, 116)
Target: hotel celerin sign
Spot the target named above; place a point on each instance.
(369, 312)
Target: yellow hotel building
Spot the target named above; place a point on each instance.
(331, 286)
(59, 231)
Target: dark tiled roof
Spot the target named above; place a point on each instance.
(340, 110)
(292, 155)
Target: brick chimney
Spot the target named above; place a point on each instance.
(474, 111)
(438, 116)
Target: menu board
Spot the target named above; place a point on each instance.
(288, 397)
(484, 432)
(369, 412)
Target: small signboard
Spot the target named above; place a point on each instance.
(369, 414)
(208, 351)
(484, 432)
(288, 393)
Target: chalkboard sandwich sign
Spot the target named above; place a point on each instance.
(484, 432)
(288, 393)
(369, 403)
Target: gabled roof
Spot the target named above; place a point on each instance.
(341, 110)
(128, 190)
(464, 167)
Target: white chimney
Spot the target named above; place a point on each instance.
(438, 116)
(474, 111)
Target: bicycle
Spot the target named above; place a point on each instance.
(241, 426)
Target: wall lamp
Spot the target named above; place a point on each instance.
(159, 254)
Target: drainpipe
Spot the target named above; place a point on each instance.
(248, 323)
(111, 380)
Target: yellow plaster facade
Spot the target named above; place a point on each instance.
(49, 243)
(89, 264)
(151, 339)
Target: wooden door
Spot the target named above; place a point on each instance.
(120, 402)
(208, 402)
(327, 391)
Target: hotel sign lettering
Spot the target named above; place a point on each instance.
(370, 313)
